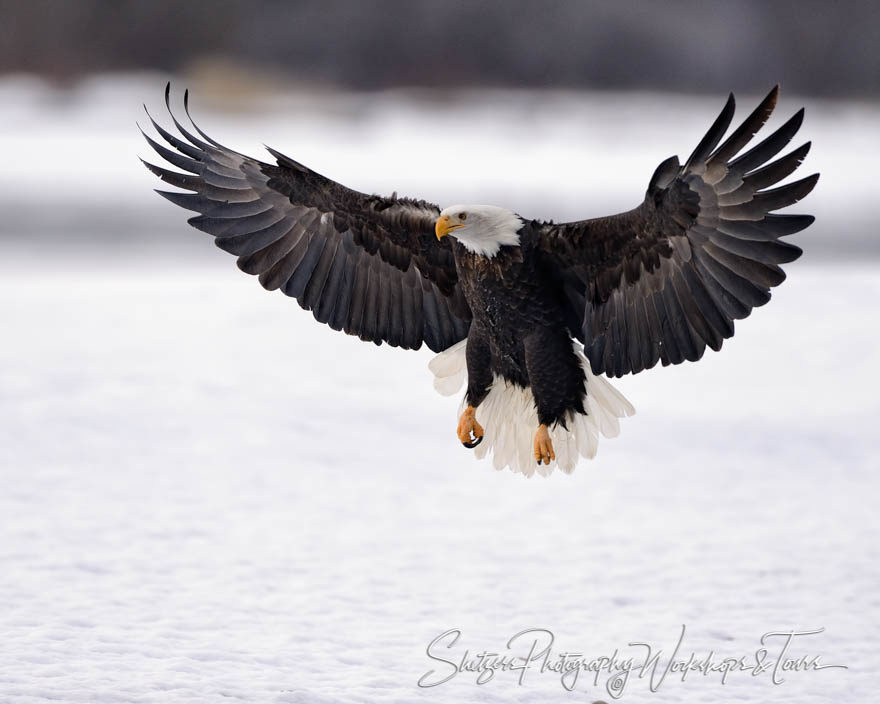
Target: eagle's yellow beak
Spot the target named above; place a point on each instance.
(444, 226)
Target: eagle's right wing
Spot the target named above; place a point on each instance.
(368, 265)
(665, 280)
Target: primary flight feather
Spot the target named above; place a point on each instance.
(529, 313)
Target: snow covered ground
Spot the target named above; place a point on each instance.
(207, 496)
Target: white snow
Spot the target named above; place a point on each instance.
(208, 496)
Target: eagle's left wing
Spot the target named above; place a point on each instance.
(666, 279)
(365, 264)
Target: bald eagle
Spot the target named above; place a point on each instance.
(531, 314)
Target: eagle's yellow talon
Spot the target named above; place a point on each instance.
(543, 446)
(467, 424)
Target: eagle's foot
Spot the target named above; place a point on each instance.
(467, 425)
(543, 445)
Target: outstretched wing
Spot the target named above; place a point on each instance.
(368, 265)
(663, 281)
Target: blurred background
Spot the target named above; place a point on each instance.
(558, 110)
(683, 46)
(205, 494)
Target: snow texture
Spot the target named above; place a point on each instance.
(208, 496)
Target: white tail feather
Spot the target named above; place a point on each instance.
(510, 419)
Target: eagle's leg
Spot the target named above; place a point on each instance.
(543, 445)
(479, 370)
(557, 382)
(467, 425)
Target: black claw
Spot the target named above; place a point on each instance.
(472, 445)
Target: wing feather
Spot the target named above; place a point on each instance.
(669, 278)
(367, 265)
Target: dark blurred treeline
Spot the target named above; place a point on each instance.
(811, 46)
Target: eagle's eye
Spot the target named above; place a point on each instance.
(462, 216)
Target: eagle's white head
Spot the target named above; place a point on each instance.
(482, 229)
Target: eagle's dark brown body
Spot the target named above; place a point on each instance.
(518, 331)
